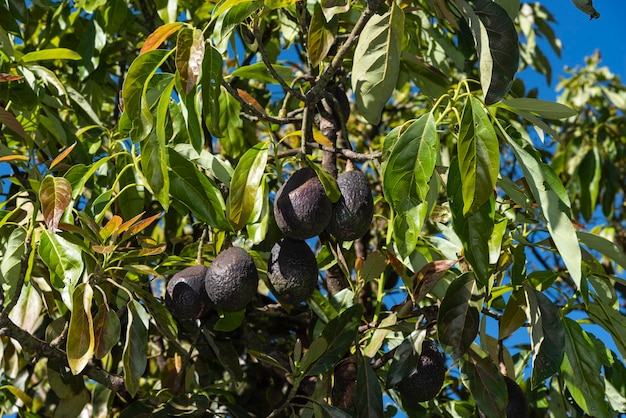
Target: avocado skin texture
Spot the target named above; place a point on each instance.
(292, 271)
(517, 406)
(426, 380)
(301, 207)
(185, 295)
(353, 212)
(231, 280)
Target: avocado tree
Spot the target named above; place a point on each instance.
(285, 208)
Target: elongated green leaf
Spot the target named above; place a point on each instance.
(405, 359)
(590, 175)
(189, 56)
(245, 184)
(603, 246)
(63, 259)
(320, 37)
(107, 330)
(50, 54)
(328, 182)
(487, 387)
(368, 396)
(411, 163)
(373, 267)
(230, 14)
(55, 195)
(554, 202)
(547, 335)
(135, 347)
(513, 316)
(196, 191)
(11, 122)
(159, 36)
(377, 62)
(479, 156)
(257, 71)
(611, 320)
(339, 333)
(80, 335)
(581, 370)
(211, 89)
(543, 108)
(12, 250)
(458, 316)
(154, 157)
(134, 88)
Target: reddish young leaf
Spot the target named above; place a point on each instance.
(55, 195)
(159, 36)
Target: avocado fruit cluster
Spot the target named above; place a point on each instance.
(292, 271)
(352, 214)
(229, 284)
(425, 381)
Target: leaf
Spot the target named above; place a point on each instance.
(487, 387)
(134, 356)
(329, 183)
(196, 191)
(277, 4)
(12, 249)
(55, 195)
(458, 316)
(411, 163)
(211, 89)
(339, 333)
(554, 202)
(406, 358)
(62, 155)
(373, 267)
(229, 320)
(245, 183)
(479, 156)
(80, 335)
(315, 351)
(513, 316)
(586, 6)
(428, 277)
(63, 259)
(189, 56)
(320, 37)
(11, 122)
(497, 46)
(604, 246)
(258, 71)
(547, 335)
(543, 108)
(379, 335)
(50, 54)
(611, 320)
(160, 34)
(581, 370)
(368, 396)
(376, 62)
(107, 331)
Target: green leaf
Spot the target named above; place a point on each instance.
(339, 333)
(581, 370)
(411, 163)
(229, 320)
(373, 266)
(479, 156)
(211, 89)
(590, 175)
(189, 56)
(603, 246)
(258, 71)
(547, 335)
(107, 330)
(554, 202)
(64, 260)
(320, 36)
(368, 396)
(154, 162)
(12, 249)
(50, 54)
(134, 356)
(79, 174)
(458, 316)
(376, 62)
(316, 350)
(328, 182)
(513, 317)
(405, 359)
(196, 191)
(543, 108)
(8, 119)
(55, 195)
(611, 320)
(245, 183)
(407, 226)
(80, 335)
(487, 386)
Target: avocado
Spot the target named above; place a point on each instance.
(185, 295)
(292, 271)
(301, 207)
(352, 214)
(426, 380)
(518, 405)
(231, 280)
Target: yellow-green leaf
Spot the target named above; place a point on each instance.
(80, 335)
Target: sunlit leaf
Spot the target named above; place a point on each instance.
(229, 320)
(63, 259)
(50, 54)
(373, 267)
(107, 331)
(80, 335)
(458, 316)
(257, 71)
(611, 320)
(245, 183)
(428, 277)
(543, 108)
(135, 347)
(11, 122)
(328, 182)
(377, 62)
(55, 195)
(189, 56)
(320, 37)
(211, 89)
(160, 34)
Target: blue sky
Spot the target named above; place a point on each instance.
(580, 37)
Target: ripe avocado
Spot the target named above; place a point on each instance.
(301, 208)
(231, 280)
(353, 212)
(292, 271)
(185, 295)
(426, 380)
